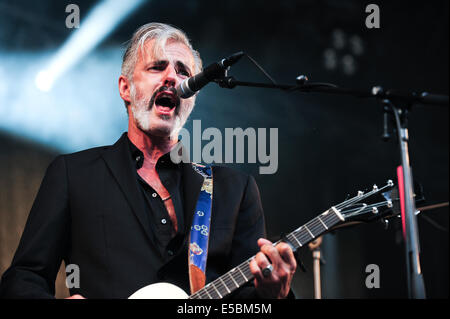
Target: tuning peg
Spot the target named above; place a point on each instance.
(390, 182)
(389, 204)
(374, 210)
(360, 193)
(385, 223)
(375, 187)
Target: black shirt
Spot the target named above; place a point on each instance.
(170, 175)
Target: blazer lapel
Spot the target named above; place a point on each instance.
(122, 167)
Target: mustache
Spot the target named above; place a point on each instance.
(162, 89)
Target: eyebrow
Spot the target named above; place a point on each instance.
(184, 66)
(178, 64)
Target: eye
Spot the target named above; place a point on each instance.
(184, 73)
(157, 66)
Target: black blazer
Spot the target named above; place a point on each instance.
(89, 212)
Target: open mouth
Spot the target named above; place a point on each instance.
(166, 101)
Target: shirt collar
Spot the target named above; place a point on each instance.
(138, 157)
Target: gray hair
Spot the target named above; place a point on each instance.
(161, 33)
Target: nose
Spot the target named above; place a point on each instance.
(170, 78)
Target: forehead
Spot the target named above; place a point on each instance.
(173, 51)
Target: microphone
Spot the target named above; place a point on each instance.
(190, 86)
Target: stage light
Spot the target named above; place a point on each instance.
(44, 81)
(343, 53)
(99, 23)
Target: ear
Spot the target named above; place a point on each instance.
(124, 88)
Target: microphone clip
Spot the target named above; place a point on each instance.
(227, 82)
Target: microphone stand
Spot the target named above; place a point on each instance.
(303, 85)
(399, 104)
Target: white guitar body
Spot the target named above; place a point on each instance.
(161, 290)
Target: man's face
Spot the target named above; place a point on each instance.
(155, 107)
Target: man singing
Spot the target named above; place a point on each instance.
(128, 216)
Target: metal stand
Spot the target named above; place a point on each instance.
(314, 246)
(416, 287)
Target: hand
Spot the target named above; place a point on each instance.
(277, 284)
(75, 297)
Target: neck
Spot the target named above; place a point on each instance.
(153, 147)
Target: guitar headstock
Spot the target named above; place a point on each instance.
(379, 203)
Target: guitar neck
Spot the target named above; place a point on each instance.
(241, 274)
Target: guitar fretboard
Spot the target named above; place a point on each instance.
(241, 274)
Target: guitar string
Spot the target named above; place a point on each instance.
(368, 208)
(360, 198)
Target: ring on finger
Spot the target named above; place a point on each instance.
(267, 271)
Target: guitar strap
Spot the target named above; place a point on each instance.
(199, 235)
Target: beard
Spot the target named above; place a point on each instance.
(151, 124)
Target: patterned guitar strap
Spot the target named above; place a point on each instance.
(199, 236)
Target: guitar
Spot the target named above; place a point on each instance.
(349, 210)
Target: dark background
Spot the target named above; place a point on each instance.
(329, 146)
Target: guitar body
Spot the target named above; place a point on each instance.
(161, 290)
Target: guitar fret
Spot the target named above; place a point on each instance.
(309, 232)
(333, 218)
(235, 283)
(214, 286)
(242, 274)
(201, 294)
(315, 227)
(212, 291)
(234, 273)
(248, 272)
(295, 237)
(228, 290)
(302, 235)
(322, 223)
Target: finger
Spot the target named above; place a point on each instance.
(261, 260)
(264, 264)
(287, 255)
(255, 269)
(272, 253)
(263, 241)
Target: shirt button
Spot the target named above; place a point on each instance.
(154, 195)
(163, 221)
(138, 158)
